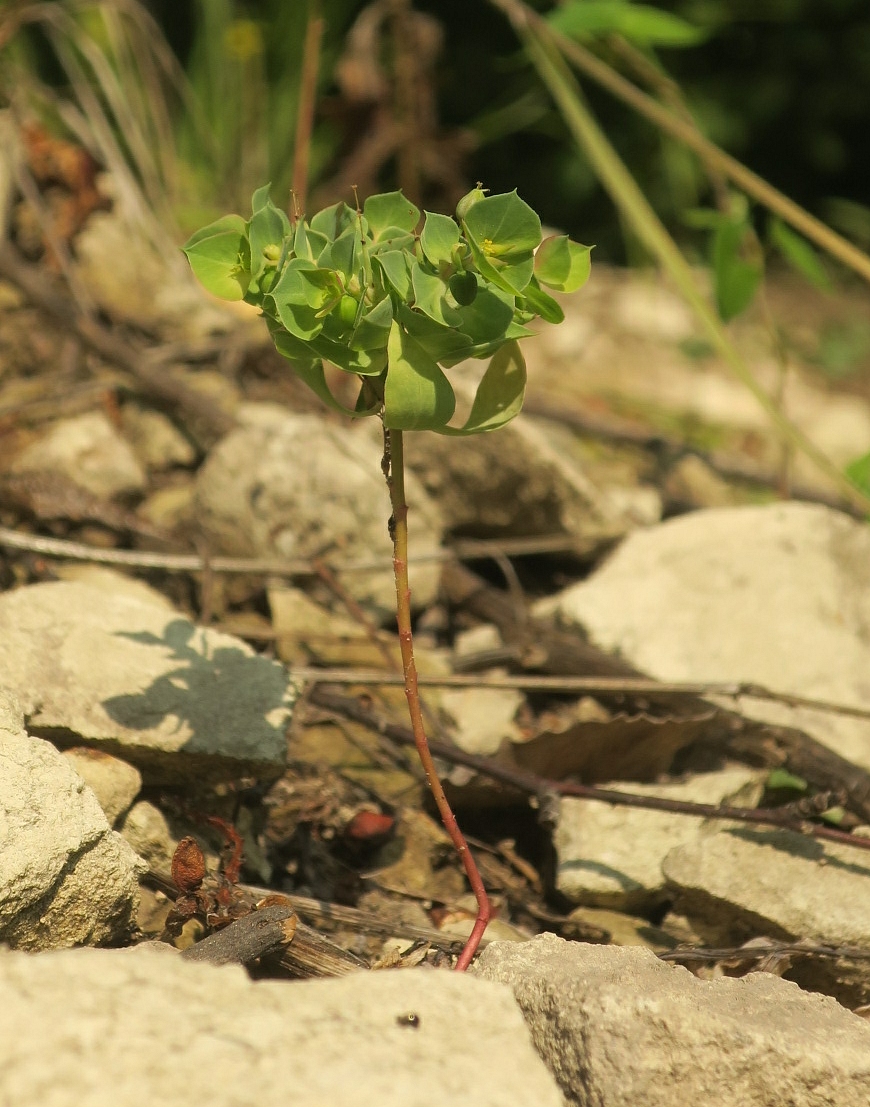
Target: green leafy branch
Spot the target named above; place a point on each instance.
(364, 291)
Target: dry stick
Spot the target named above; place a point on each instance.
(256, 935)
(644, 686)
(394, 470)
(194, 563)
(307, 103)
(535, 785)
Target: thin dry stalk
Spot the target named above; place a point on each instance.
(394, 471)
(307, 103)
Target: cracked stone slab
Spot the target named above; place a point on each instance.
(144, 683)
(777, 595)
(295, 486)
(65, 877)
(617, 1027)
(609, 856)
(746, 882)
(144, 1026)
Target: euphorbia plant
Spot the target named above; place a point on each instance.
(394, 305)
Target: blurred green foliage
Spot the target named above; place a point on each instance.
(784, 85)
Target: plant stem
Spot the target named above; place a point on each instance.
(307, 103)
(394, 470)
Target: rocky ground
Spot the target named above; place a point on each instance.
(611, 593)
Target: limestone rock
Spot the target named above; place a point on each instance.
(143, 1026)
(87, 449)
(743, 882)
(114, 782)
(618, 1027)
(142, 681)
(610, 856)
(778, 595)
(156, 441)
(65, 877)
(293, 486)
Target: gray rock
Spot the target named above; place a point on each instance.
(155, 837)
(65, 877)
(618, 1027)
(777, 595)
(141, 681)
(114, 782)
(748, 881)
(298, 486)
(611, 856)
(155, 440)
(732, 882)
(143, 1026)
(87, 449)
(522, 481)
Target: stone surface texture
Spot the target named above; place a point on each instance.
(65, 877)
(706, 597)
(611, 856)
(142, 1026)
(618, 1028)
(87, 449)
(741, 880)
(137, 679)
(114, 782)
(297, 486)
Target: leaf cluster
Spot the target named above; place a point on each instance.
(368, 292)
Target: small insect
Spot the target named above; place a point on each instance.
(410, 1018)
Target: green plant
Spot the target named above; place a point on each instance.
(365, 291)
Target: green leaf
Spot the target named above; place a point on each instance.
(858, 472)
(301, 297)
(439, 237)
(220, 257)
(499, 396)
(417, 395)
(268, 228)
(343, 254)
(542, 304)
(799, 254)
(488, 317)
(334, 221)
(441, 343)
(510, 278)
(373, 329)
(640, 23)
(504, 226)
(782, 778)
(311, 373)
(562, 264)
(390, 210)
(393, 238)
(394, 264)
(736, 277)
(430, 296)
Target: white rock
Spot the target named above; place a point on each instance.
(736, 882)
(131, 677)
(114, 782)
(87, 449)
(484, 718)
(522, 481)
(611, 856)
(616, 1026)
(156, 441)
(303, 487)
(143, 1026)
(777, 595)
(65, 877)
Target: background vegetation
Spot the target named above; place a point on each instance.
(784, 85)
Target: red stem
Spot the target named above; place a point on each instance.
(394, 471)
